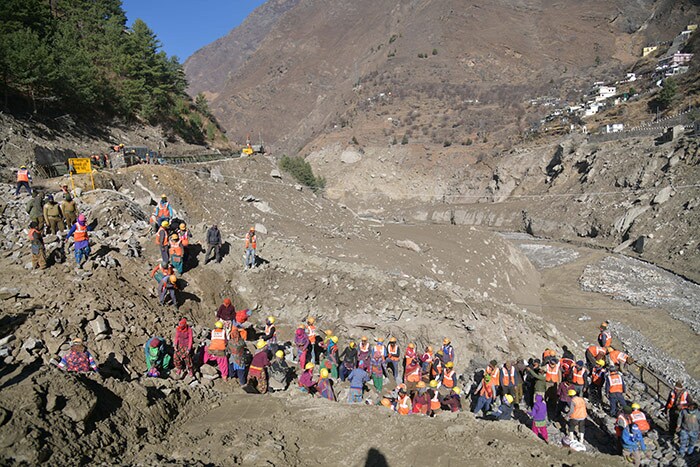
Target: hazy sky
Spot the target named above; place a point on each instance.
(184, 26)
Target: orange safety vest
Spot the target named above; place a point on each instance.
(579, 412)
(31, 234)
(595, 350)
(311, 331)
(606, 337)
(218, 340)
(393, 353)
(364, 347)
(184, 237)
(251, 241)
(405, 406)
(162, 210)
(615, 381)
(597, 376)
(578, 376)
(413, 376)
(552, 375)
(435, 401)
(486, 390)
(165, 237)
(448, 378)
(618, 357)
(495, 373)
(678, 401)
(507, 378)
(81, 233)
(175, 248)
(23, 175)
(639, 419)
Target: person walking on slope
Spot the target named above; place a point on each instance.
(213, 244)
(678, 399)
(615, 390)
(53, 217)
(539, 418)
(69, 209)
(78, 359)
(36, 241)
(301, 344)
(161, 240)
(162, 212)
(633, 445)
(182, 357)
(23, 179)
(81, 244)
(184, 234)
(161, 270)
(605, 336)
(257, 372)
(448, 352)
(176, 253)
(35, 209)
(251, 245)
(688, 430)
(577, 416)
(168, 286)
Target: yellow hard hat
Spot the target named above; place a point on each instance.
(509, 398)
(449, 365)
(572, 392)
(352, 344)
(309, 366)
(334, 339)
(411, 345)
(260, 344)
(429, 348)
(23, 167)
(636, 406)
(324, 373)
(392, 339)
(219, 325)
(433, 383)
(311, 320)
(271, 319)
(252, 229)
(446, 340)
(163, 196)
(165, 224)
(174, 237)
(421, 384)
(364, 338)
(183, 226)
(600, 362)
(459, 391)
(328, 332)
(279, 354)
(604, 324)
(173, 279)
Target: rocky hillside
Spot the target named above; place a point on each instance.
(441, 71)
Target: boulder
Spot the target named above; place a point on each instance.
(663, 195)
(99, 326)
(350, 156)
(261, 229)
(409, 245)
(623, 223)
(31, 344)
(274, 173)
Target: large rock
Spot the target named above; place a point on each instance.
(350, 156)
(409, 245)
(99, 326)
(663, 195)
(261, 229)
(623, 223)
(274, 173)
(80, 403)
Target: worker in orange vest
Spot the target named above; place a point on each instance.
(508, 379)
(162, 212)
(605, 336)
(162, 241)
(251, 245)
(23, 179)
(619, 358)
(434, 398)
(404, 405)
(577, 416)
(548, 354)
(184, 233)
(448, 377)
(408, 357)
(593, 354)
(412, 375)
(494, 372)
(216, 350)
(486, 395)
(638, 418)
(615, 389)
(579, 376)
(552, 378)
(176, 253)
(162, 269)
(393, 355)
(678, 399)
(595, 390)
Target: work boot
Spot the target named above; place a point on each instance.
(580, 438)
(571, 436)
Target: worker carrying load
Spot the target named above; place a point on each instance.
(161, 270)
(162, 212)
(162, 241)
(176, 253)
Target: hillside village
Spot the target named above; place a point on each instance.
(569, 117)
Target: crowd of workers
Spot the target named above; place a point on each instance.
(551, 389)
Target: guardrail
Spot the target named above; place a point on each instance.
(651, 380)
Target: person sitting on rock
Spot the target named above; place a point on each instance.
(157, 359)
(257, 372)
(183, 348)
(168, 286)
(503, 411)
(78, 359)
(279, 372)
(79, 232)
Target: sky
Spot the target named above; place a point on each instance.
(184, 26)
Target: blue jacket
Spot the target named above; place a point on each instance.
(358, 377)
(632, 439)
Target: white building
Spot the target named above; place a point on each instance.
(614, 127)
(605, 92)
(591, 109)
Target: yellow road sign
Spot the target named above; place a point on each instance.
(80, 165)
